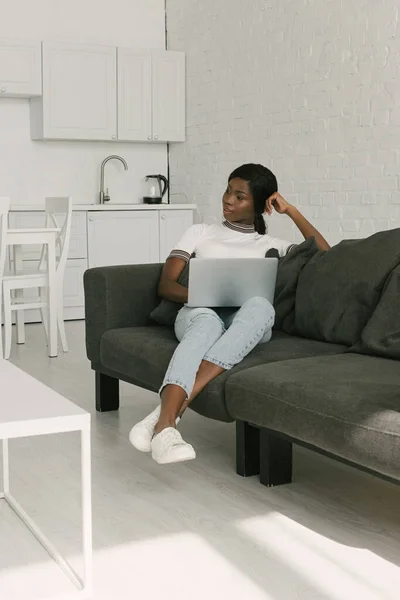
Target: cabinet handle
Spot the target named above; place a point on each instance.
(149, 137)
(113, 137)
(163, 217)
(156, 137)
(3, 89)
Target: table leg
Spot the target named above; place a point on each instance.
(6, 468)
(87, 511)
(20, 321)
(52, 295)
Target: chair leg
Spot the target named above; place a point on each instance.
(61, 326)
(20, 325)
(44, 313)
(7, 324)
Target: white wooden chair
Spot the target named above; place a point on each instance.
(58, 215)
(4, 208)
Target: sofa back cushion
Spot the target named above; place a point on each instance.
(381, 335)
(289, 269)
(338, 290)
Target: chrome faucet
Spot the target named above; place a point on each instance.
(104, 198)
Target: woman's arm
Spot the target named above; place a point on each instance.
(168, 287)
(282, 206)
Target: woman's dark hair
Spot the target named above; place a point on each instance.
(262, 183)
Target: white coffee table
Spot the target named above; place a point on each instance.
(29, 408)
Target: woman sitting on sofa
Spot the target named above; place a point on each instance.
(213, 341)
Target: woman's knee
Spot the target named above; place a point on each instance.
(261, 310)
(199, 318)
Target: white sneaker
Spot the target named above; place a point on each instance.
(140, 435)
(169, 447)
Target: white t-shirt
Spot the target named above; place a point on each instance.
(228, 240)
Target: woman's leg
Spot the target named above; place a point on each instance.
(250, 325)
(197, 329)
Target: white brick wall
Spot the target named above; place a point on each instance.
(310, 88)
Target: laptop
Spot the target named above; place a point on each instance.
(229, 282)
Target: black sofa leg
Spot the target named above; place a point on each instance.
(275, 459)
(247, 449)
(107, 392)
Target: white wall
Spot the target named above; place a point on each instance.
(31, 170)
(310, 89)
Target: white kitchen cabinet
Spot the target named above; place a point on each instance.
(173, 224)
(123, 238)
(20, 68)
(134, 95)
(168, 98)
(73, 283)
(103, 93)
(79, 93)
(151, 95)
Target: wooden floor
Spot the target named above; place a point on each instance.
(190, 531)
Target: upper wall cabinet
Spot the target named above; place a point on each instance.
(134, 95)
(168, 77)
(151, 95)
(79, 94)
(101, 93)
(20, 69)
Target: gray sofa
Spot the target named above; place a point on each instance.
(329, 379)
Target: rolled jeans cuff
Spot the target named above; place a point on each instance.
(177, 382)
(219, 363)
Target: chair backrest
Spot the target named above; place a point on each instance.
(59, 214)
(4, 209)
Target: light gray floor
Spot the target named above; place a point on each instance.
(190, 531)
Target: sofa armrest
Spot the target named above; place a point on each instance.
(120, 296)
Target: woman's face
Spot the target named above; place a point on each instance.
(237, 202)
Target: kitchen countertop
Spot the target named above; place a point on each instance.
(105, 207)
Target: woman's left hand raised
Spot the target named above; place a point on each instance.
(278, 203)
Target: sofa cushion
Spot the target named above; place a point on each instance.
(381, 336)
(338, 290)
(165, 313)
(348, 405)
(142, 354)
(289, 269)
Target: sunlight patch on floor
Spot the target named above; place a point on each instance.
(176, 566)
(339, 572)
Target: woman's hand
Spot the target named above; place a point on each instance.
(278, 203)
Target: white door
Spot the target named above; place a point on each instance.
(123, 238)
(173, 224)
(79, 93)
(20, 68)
(134, 95)
(168, 75)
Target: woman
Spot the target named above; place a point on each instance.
(212, 342)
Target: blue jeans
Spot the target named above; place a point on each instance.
(223, 337)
